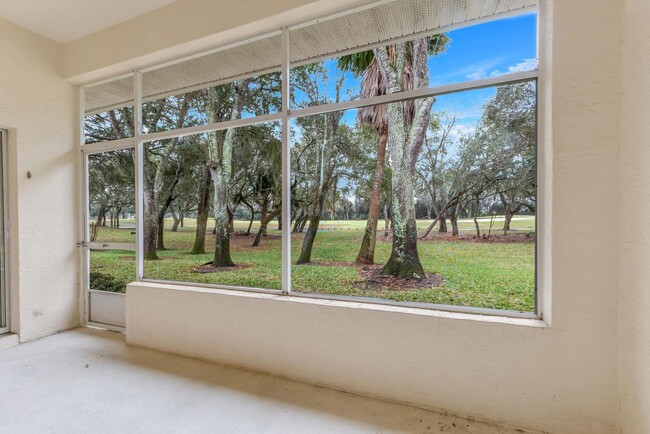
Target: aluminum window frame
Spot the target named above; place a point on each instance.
(284, 116)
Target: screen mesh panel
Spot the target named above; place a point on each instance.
(390, 21)
(113, 94)
(251, 58)
(325, 38)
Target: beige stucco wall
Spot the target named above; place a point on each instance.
(39, 108)
(561, 378)
(634, 311)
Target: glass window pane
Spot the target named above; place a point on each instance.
(111, 213)
(203, 89)
(473, 175)
(260, 96)
(109, 111)
(111, 196)
(212, 207)
(470, 53)
(111, 270)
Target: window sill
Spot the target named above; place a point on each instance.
(446, 312)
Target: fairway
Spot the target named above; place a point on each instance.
(496, 273)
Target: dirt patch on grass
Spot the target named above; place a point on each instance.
(373, 280)
(208, 268)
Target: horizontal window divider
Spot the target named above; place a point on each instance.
(111, 145)
(111, 246)
(171, 134)
(406, 38)
(213, 286)
(415, 94)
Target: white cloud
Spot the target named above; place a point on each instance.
(476, 75)
(526, 65)
(479, 72)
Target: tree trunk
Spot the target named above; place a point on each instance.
(220, 177)
(404, 259)
(220, 172)
(478, 229)
(202, 214)
(160, 244)
(264, 222)
(177, 221)
(153, 189)
(442, 223)
(310, 236)
(386, 219)
(308, 241)
(303, 223)
(252, 219)
(280, 221)
(408, 125)
(150, 220)
(296, 221)
(367, 251)
(509, 211)
(506, 223)
(453, 217)
(101, 216)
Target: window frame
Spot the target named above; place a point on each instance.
(284, 117)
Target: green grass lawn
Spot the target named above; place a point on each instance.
(498, 275)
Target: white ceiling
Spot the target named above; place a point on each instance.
(66, 20)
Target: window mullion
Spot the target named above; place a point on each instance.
(139, 173)
(286, 169)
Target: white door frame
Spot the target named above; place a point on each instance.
(101, 309)
(5, 324)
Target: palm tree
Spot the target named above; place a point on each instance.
(372, 84)
(365, 64)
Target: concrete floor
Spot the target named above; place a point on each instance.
(86, 380)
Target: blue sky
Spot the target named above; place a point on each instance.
(476, 52)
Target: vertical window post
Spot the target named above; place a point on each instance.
(286, 169)
(139, 173)
(85, 236)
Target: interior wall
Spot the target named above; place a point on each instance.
(184, 28)
(39, 110)
(634, 313)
